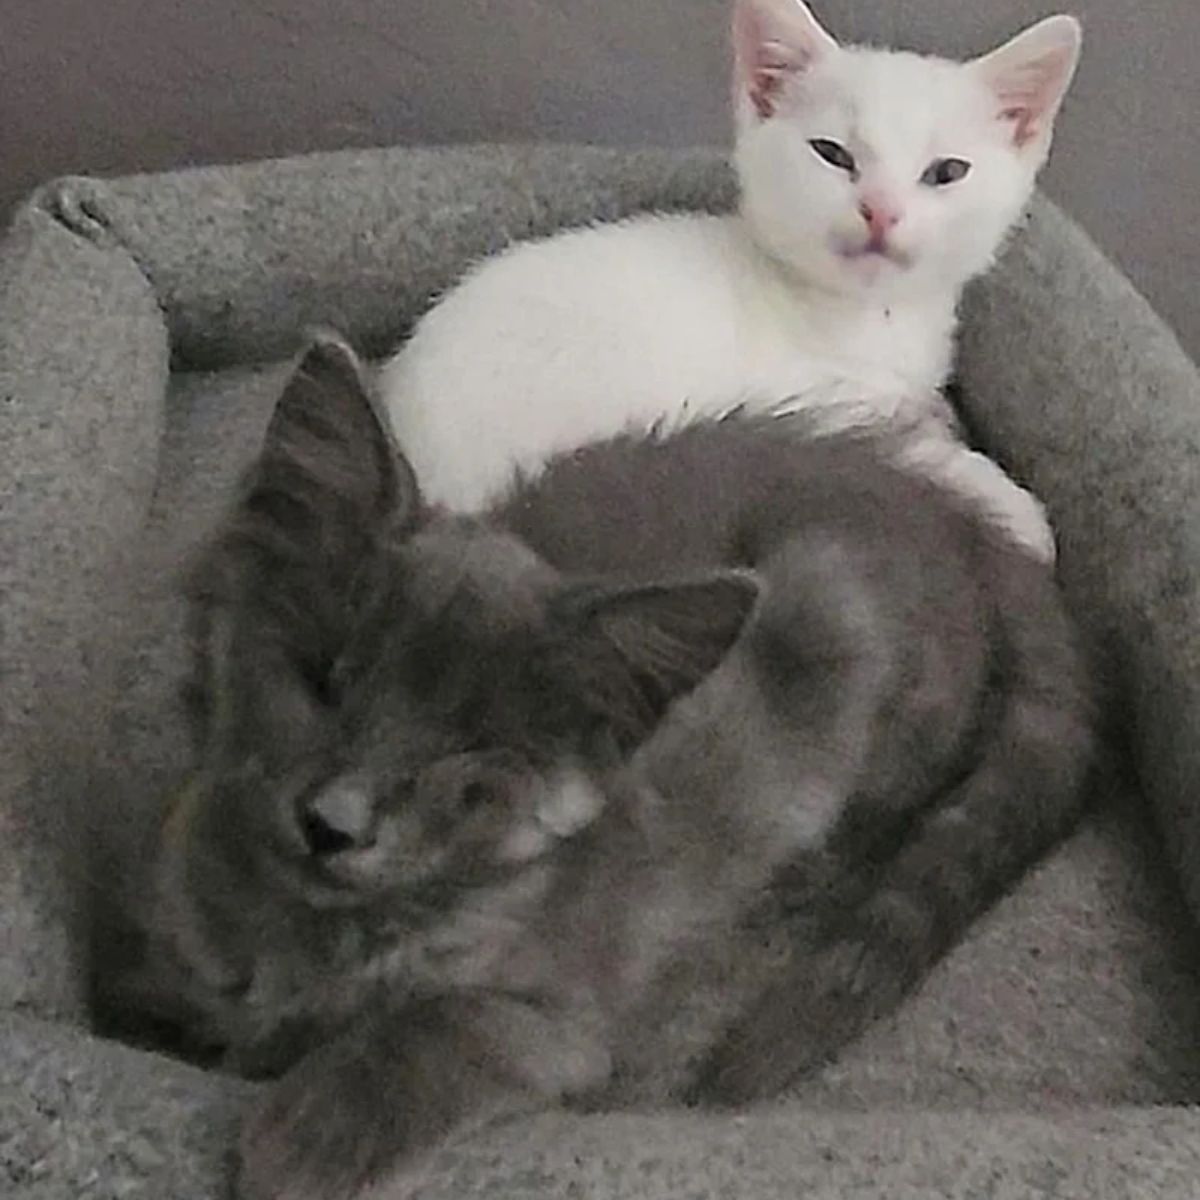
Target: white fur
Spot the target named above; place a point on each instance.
(568, 804)
(559, 342)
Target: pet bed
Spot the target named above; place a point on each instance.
(145, 325)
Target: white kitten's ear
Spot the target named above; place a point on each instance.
(1030, 75)
(773, 40)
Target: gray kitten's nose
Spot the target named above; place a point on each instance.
(339, 816)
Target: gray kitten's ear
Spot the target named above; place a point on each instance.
(328, 439)
(633, 651)
(276, 593)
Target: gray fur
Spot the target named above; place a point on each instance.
(477, 799)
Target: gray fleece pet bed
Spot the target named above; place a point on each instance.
(144, 328)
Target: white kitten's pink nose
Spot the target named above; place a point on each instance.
(880, 216)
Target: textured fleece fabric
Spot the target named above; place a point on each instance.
(144, 325)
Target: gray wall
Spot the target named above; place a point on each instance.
(118, 85)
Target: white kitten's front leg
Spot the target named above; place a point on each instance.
(1019, 513)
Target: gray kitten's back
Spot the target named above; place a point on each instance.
(945, 662)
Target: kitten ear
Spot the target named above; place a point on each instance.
(773, 40)
(328, 444)
(1030, 74)
(273, 595)
(632, 652)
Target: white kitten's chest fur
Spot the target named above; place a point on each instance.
(575, 338)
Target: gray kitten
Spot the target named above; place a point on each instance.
(481, 804)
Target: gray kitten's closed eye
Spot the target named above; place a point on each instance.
(580, 749)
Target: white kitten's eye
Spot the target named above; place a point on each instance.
(945, 170)
(834, 153)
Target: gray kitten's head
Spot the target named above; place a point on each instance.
(394, 709)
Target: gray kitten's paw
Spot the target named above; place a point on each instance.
(798, 1026)
(824, 1000)
(786, 1034)
(326, 1131)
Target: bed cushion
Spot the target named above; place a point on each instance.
(146, 325)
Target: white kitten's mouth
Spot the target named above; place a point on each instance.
(872, 251)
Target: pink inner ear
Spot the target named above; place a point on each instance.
(1028, 95)
(1025, 127)
(767, 76)
(763, 62)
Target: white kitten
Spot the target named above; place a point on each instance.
(875, 183)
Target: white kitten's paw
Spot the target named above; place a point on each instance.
(1017, 512)
(1026, 522)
